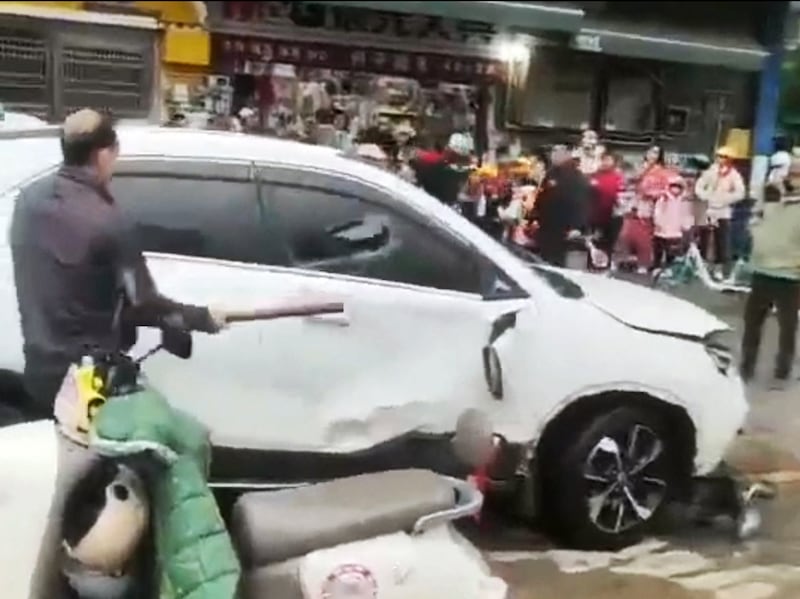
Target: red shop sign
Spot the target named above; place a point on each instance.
(231, 53)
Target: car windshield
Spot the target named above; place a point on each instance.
(559, 283)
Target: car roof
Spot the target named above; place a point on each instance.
(15, 121)
(29, 153)
(32, 151)
(140, 139)
(220, 145)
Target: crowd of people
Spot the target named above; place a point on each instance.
(645, 216)
(639, 216)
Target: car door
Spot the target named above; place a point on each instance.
(198, 223)
(407, 353)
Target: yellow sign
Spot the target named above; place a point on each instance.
(187, 46)
(189, 13)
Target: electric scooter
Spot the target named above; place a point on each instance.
(85, 515)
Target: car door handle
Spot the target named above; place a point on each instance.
(338, 320)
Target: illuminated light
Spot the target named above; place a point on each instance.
(513, 51)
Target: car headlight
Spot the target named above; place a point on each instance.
(719, 346)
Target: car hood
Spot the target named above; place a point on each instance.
(644, 308)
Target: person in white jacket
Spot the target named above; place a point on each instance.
(719, 187)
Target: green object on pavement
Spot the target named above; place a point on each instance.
(195, 553)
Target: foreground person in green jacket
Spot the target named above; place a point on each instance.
(775, 264)
(195, 554)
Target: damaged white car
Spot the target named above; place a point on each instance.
(606, 398)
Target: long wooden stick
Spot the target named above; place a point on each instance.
(286, 311)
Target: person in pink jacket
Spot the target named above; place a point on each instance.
(637, 228)
(672, 219)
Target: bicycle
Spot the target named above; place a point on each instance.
(691, 267)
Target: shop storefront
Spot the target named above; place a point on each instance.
(299, 70)
(56, 59)
(680, 74)
(185, 58)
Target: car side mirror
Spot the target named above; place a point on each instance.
(177, 342)
(128, 277)
(492, 366)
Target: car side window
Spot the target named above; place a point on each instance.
(190, 217)
(344, 234)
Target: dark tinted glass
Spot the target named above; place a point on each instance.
(343, 234)
(203, 218)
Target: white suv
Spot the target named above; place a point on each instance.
(609, 395)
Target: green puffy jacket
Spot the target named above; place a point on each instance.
(196, 556)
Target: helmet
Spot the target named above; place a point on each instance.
(726, 152)
(461, 144)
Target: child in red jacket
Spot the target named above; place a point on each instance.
(606, 221)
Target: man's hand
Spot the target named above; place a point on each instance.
(218, 319)
(573, 235)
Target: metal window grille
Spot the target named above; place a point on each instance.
(23, 72)
(106, 80)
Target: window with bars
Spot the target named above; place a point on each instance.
(23, 71)
(559, 90)
(105, 79)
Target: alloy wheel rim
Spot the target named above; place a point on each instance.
(623, 482)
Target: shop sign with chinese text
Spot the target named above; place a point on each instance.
(348, 19)
(238, 54)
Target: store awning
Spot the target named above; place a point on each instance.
(520, 16)
(657, 43)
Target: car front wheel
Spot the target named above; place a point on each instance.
(610, 477)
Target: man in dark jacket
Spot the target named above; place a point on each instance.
(562, 207)
(73, 258)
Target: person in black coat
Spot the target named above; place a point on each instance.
(562, 207)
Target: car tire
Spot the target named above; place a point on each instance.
(608, 479)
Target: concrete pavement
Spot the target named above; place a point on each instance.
(691, 564)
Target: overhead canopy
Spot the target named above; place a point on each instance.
(660, 43)
(520, 16)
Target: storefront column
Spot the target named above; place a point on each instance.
(768, 98)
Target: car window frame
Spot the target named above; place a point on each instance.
(196, 169)
(346, 185)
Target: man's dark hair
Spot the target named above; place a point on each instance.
(660, 159)
(782, 143)
(85, 132)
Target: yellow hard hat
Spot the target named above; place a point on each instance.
(726, 152)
